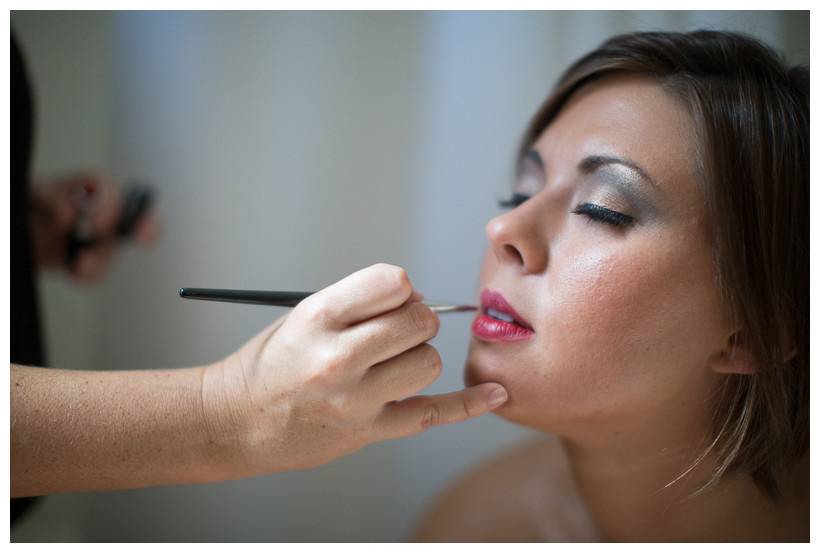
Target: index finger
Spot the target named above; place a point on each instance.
(418, 413)
(364, 294)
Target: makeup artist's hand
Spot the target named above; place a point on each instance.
(337, 373)
(54, 212)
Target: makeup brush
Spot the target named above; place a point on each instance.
(288, 299)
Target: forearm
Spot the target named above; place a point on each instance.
(87, 430)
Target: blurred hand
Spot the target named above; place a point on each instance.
(55, 210)
(337, 373)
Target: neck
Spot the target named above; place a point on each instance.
(639, 484)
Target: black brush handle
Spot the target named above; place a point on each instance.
(258, 297)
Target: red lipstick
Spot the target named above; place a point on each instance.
(499, 321)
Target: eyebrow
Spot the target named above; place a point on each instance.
(592, 163)
(530, 154)
(533, 154)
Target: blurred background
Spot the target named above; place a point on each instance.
(290, 149)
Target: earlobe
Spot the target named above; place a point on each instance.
(735, 358)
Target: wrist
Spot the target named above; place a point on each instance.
(227, 423)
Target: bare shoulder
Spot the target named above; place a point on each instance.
(525, 493)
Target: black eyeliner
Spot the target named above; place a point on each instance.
(513, 201)
(604, 215)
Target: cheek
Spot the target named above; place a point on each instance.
(619, 330)
(630, 322)
(613, 302)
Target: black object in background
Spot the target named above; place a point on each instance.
(26, 342)
(135, 205)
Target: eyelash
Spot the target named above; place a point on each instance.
(598, 213)
(514, 200)
(594, 213)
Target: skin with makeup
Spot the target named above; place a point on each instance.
(601, 317)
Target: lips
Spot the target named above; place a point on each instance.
(499, 321)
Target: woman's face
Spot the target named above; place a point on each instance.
(610, 263)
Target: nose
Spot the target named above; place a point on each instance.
(516, 241)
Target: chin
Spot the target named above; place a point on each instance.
(526, 404)
(483, 368)
(500, 363)
(479, 368)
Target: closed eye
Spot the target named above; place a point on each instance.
(597, 213)
(514, 200)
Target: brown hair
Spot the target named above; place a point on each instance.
(752, 115)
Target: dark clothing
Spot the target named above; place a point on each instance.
(26, 342)
(26, 346)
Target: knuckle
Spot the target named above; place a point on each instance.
(372, 338)
(469, 409)
(317, 376)
(317, 310)
(423, 319)
(431, 416)
(433, 317)
(431, 357)
(396, 277)
(403, 281)
(437, 366)
(342, 405)
(337, 405)
(332, 359)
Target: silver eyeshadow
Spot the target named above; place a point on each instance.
(633, 185)
(626, 177)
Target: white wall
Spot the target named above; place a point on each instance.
(290, 149)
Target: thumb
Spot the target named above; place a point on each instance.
(418, 413)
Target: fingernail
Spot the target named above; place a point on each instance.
(497, 397)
